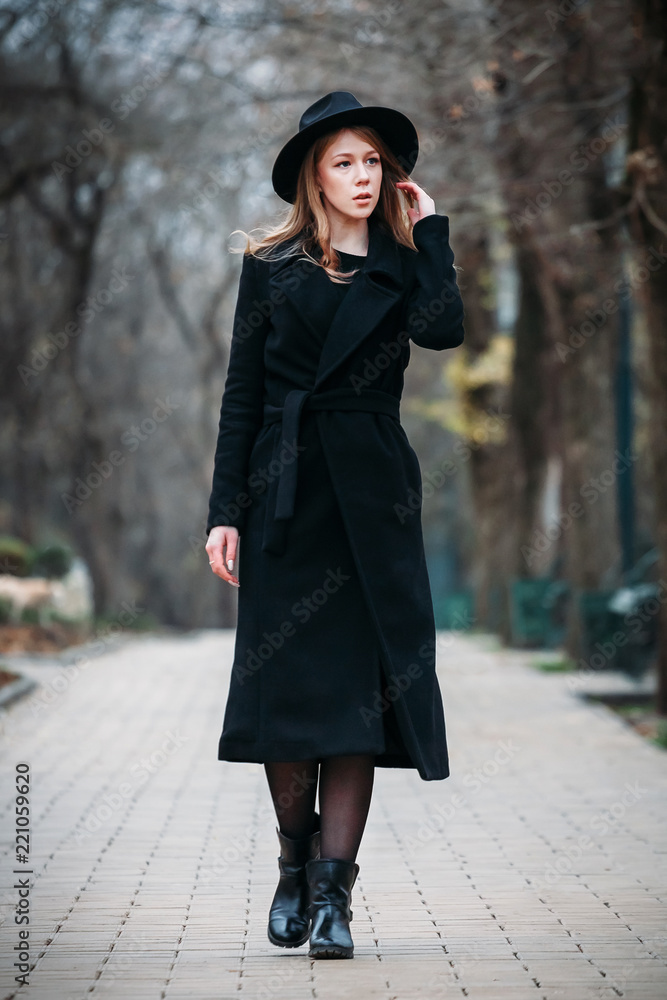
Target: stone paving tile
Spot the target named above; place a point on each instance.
(538, 870)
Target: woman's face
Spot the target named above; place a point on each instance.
(349, 174)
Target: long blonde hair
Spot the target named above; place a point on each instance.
(306, 230)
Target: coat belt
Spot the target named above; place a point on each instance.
(369, 401)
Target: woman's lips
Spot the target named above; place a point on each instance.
(362, 197)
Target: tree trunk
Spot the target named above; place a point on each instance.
(647, 169)
(552, 81)
(485, 407)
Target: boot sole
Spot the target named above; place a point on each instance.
(325, 951)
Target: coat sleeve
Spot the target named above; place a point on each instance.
(241, 412)
(434, 310)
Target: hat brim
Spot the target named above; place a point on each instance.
(394, 128)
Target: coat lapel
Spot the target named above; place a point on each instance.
(289, 278)
(372, 294)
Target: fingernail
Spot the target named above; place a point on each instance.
(230, 564)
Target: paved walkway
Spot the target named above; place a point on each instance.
(537, 871)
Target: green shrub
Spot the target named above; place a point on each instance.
(555, 666)
(16, 556)
(661, 736)
(53, 561)
(31, 616)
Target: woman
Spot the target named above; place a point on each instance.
(334, 665)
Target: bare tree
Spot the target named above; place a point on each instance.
(647, 183)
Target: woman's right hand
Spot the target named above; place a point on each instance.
(222, 563)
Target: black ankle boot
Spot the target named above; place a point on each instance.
(330, 881)
(288, 916)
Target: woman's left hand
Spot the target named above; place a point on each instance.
(424, 203)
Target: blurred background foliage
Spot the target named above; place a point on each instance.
(136, 136)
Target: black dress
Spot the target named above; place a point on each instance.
(333, 606)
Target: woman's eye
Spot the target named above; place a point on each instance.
(343, 163)
(373, 159)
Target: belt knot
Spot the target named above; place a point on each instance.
(369, 401)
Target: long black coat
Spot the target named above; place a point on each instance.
(317, 471)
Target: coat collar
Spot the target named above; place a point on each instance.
(383, 257)
(374, 291)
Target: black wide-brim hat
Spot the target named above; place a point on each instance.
(336, 111)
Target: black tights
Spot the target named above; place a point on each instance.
(345, 786)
